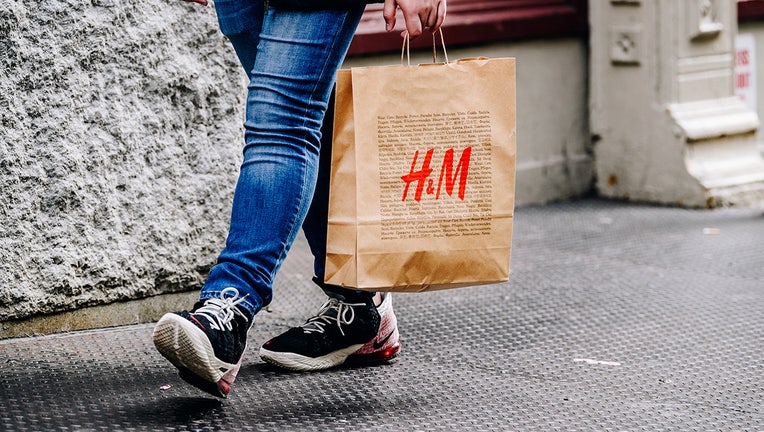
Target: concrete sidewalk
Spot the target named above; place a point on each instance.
(616, 317)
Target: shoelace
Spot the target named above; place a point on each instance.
(344, 315)
(221, 311)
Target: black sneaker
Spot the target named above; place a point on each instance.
(206, 344)
(340, 330)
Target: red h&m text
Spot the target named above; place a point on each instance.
(448, 174)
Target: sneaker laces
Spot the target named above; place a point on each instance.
(343, 315)
(221, 311)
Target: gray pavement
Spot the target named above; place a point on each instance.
(616, 317)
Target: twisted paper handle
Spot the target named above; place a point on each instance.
(405, 49)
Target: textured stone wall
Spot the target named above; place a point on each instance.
(119, 149)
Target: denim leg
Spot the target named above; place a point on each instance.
(294, 67)
(241, 21)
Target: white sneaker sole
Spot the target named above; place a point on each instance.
(186, 346)
(297, 362)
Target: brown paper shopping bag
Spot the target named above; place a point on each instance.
(423, 176)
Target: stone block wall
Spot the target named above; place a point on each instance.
(119, 149)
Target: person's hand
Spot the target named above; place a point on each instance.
(201, 2)
(419, 15)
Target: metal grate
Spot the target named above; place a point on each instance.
(617, 317)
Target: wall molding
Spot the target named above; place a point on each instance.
(137, 311)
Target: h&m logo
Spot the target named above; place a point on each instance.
(447, 173)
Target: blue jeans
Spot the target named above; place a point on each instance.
(291, 59)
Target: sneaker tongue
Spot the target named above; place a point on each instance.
(245, 314)
(326, 316)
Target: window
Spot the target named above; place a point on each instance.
(750, 10)
(480, 21)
